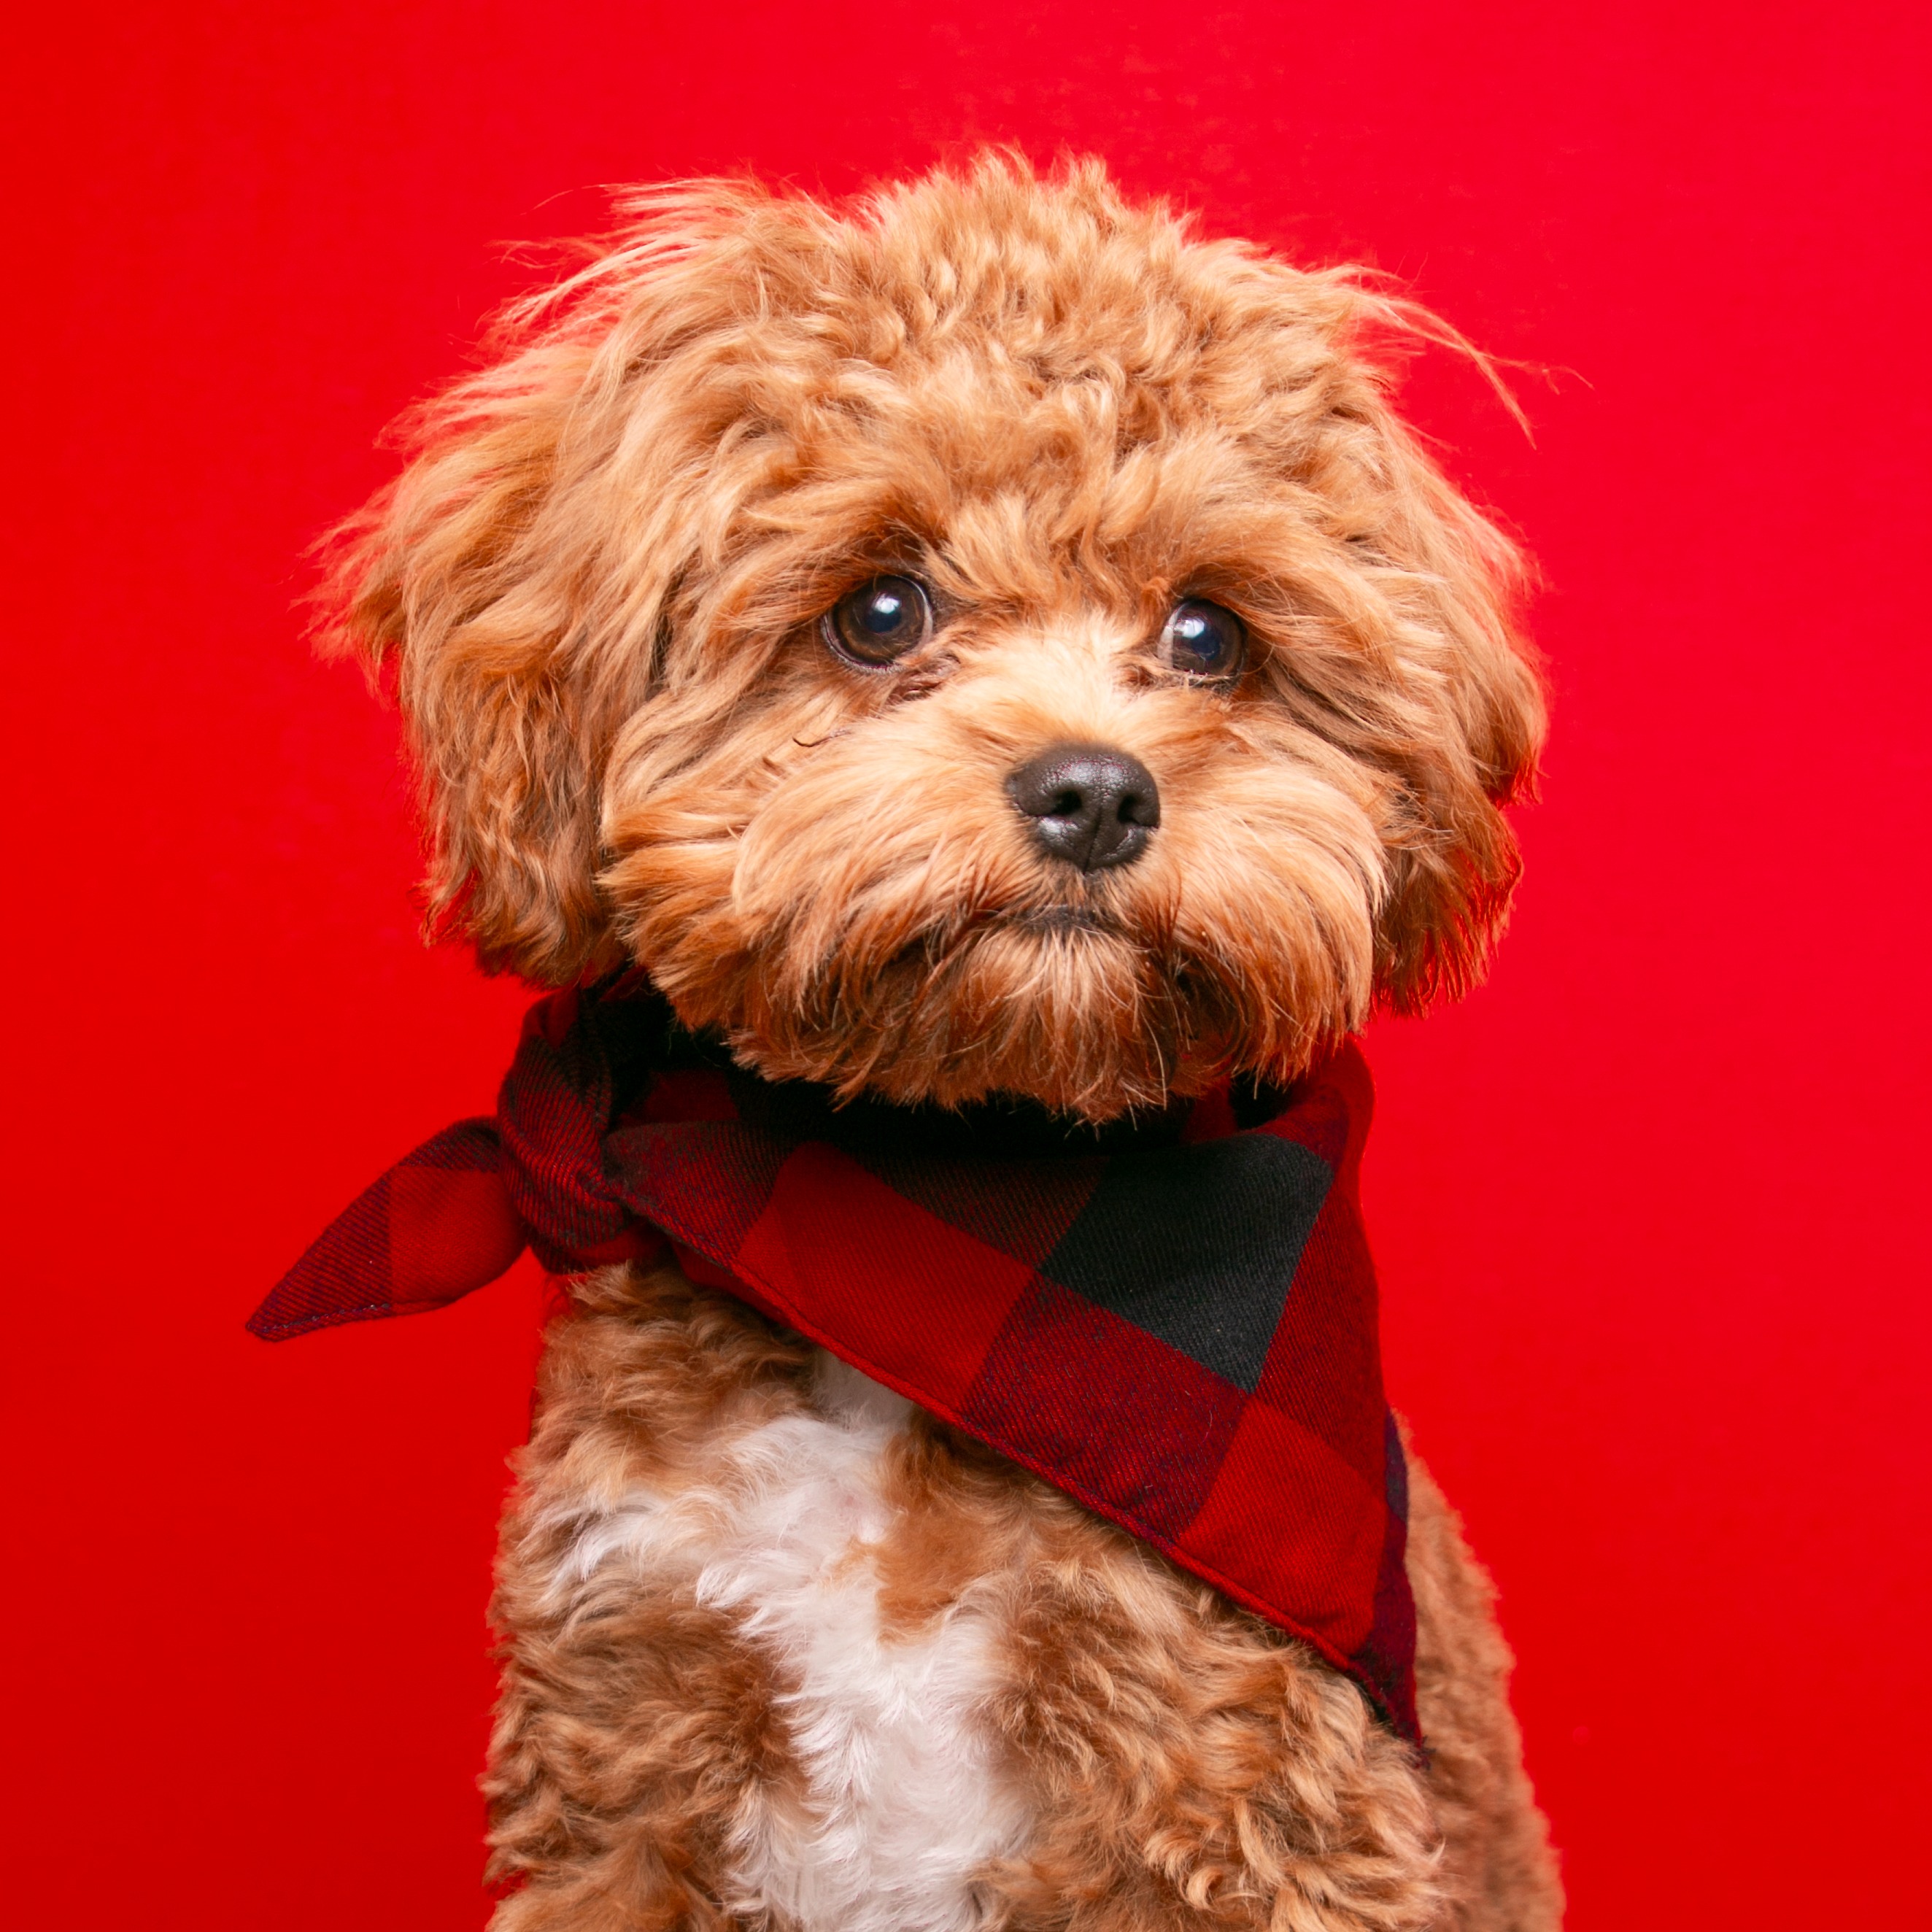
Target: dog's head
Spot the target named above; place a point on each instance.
(989, 641)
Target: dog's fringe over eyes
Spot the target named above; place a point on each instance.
(601, 576)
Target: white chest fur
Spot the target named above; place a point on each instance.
(905, 1796)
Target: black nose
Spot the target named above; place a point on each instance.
(1089, 804)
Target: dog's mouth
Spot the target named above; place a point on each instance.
(1051, 920)
(947, 945)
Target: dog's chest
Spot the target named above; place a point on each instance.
(902, 1794)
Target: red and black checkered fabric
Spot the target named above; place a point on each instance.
(1172, 1319)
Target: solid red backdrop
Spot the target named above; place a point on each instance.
(1655, 1264)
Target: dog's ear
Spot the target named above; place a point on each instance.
(1473, 691)
(438, 580)
(1456, 715)
(513, 579)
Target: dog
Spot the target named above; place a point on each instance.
(984, 644)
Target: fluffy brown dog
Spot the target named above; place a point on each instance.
(988, 641)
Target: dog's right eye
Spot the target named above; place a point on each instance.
(881, 621)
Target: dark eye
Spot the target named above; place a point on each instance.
(880, 621)
(1201, 640)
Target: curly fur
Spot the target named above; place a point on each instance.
(601, 575)
(1150, 1756)
(778, 1655)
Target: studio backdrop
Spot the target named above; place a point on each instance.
(1649, 1208)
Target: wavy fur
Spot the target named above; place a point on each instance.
(781, 1657)
(600, 576)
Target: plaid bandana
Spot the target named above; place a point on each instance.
(1170, 1318)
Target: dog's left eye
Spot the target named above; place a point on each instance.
(1201, 640)
(880, 621)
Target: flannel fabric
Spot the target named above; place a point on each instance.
(1172, 1317)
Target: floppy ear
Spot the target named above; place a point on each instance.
(1476, 693)
(1459, 720)
(515, 576)
(438, 577)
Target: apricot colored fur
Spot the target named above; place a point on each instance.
(600, 577)
(1188, 1766)
(599, 583)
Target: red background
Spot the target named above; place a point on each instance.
(1655, 1266)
